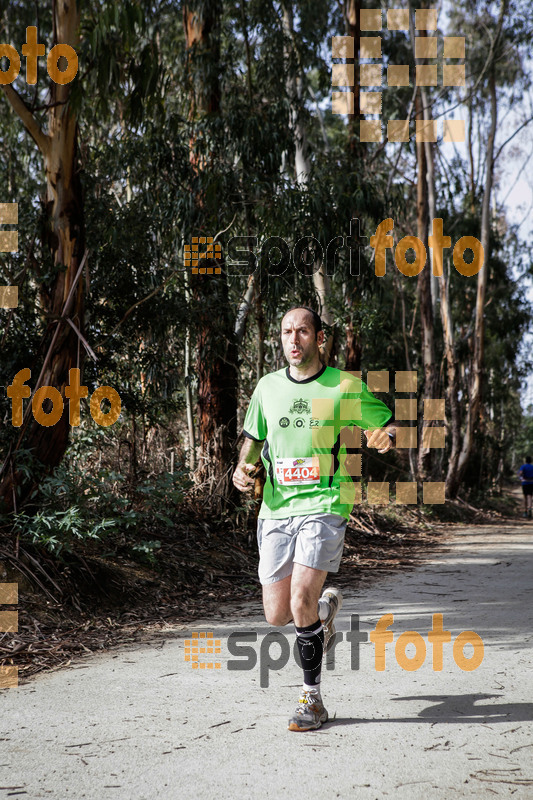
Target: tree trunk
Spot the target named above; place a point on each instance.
(476, 370)
(424, 294)
(191, 450)
(430, 179)
(452, 383)
(302, 168)
(216, 362)
(352, 25)
(65, 219)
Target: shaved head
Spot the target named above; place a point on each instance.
(315, 319)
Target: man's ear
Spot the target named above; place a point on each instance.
(320, 338)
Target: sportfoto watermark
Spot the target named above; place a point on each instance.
(243, 257)
(238, 644)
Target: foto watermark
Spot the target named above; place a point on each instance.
(32, 50)
(17, 390)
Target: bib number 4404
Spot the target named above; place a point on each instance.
(297, 471)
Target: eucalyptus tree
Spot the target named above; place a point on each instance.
(50, 112)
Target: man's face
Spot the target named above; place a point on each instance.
(300, 344)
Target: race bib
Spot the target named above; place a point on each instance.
(297, 471)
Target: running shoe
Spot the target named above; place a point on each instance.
(334, 599)
(310, 713)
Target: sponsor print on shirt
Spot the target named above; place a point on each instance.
(300, 406)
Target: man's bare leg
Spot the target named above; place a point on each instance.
(277, 602)
(306, 586)
(294, 597)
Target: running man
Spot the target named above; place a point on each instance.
(300, 420)
(526, 476)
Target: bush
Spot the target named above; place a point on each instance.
(72, 507)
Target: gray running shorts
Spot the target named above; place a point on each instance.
(316, 540)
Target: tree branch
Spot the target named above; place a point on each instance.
(30, 123)
(523, 125)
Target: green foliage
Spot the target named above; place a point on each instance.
(71, 507)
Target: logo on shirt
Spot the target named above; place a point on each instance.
(284, 422)
(300, 406)
(299, 422)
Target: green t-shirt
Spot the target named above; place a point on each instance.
(309, 438)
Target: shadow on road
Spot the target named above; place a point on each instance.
(462, 708)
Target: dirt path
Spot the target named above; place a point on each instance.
(140, 723)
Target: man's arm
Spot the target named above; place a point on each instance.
(250, 452)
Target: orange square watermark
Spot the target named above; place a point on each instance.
(370, 74)
(406, 381)
(426, 129)
(192, 255)
(405, 408)
(398, 75)
(426, 47)
(342, 103)
(426, 19)
(406, 493)
(398, 19)
(350, 493)
(9, 677)
(351, 464)
(9, 243)
(9, 593)
(426, 75)
(453, 75)
(202, 643)
(370, 19)
(398, 130)
(9, 296)
(9, 623)
(434, 409)
(342, 47)
(406, 437)
(433, 437)
(377, 493)
(370, 130)
(454, 47)
(342, 74)
(454, 130)
(433, 492)
(370, 102)
(370, 47)
(350, 437)
(377, 380)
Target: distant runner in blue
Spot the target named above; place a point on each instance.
(526, 476)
